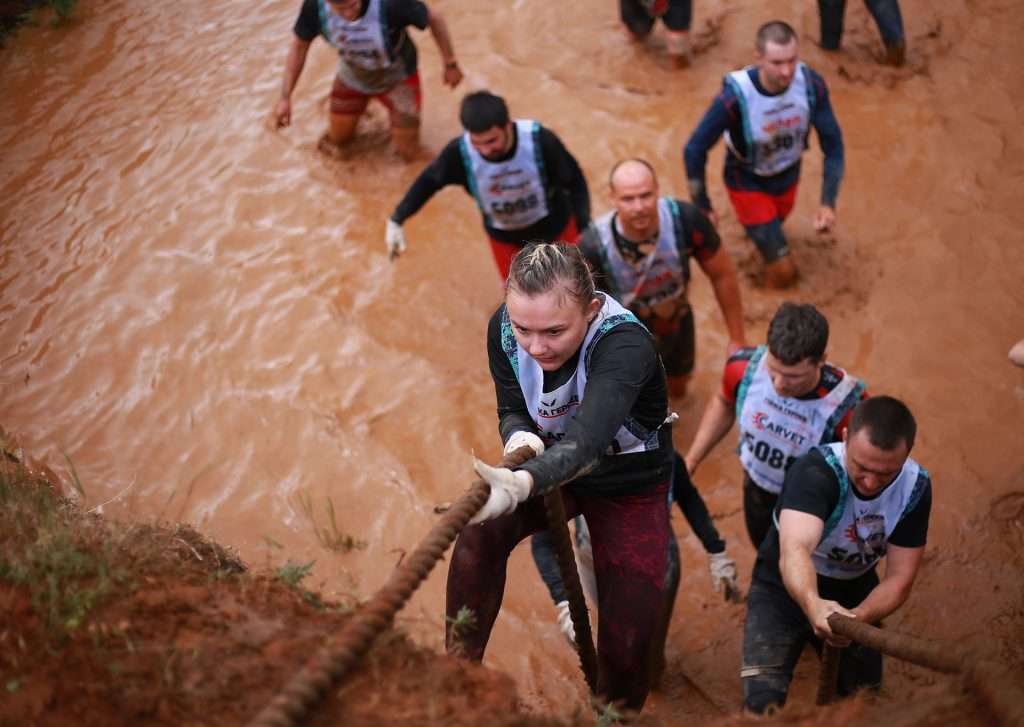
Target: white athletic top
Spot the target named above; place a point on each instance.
(553, 410)
(661, 275)
(364, 62)
(512, 194)
(857, 532)
(775, 430)
(775, 127)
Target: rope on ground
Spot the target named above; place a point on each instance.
(989, 681)
(559, 528)
(331, 663)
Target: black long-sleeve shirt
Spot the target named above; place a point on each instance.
(567, 189)
(625, 379)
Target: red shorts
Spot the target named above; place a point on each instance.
(505, 251)
(760, 208)
(403, 100)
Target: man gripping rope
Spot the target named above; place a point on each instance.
(843, 508)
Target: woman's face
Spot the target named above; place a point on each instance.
(549, 326)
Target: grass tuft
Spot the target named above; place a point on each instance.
(67, 570)
(330, 536)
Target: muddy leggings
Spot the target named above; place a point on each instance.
(630, 537)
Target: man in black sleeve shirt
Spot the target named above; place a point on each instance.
(843, 507)
(376, 59)
(527, 185)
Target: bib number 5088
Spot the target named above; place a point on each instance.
(515, 206)
(764, 452)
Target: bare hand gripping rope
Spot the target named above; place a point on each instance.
(330, 665)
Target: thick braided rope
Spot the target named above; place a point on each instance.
(330, 665)
(555, 510)
(990, 682)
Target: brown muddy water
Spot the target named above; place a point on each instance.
(200, 313)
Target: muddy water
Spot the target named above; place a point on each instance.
(199, 313)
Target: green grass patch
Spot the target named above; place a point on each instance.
(59, 556)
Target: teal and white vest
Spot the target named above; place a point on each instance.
(553, 410)
(857, 532)
(662, 275)
(775, 430)
(512, 194)
(775, 127)
(364, 62)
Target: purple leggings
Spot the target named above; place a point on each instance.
(630, 536)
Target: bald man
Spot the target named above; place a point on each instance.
(640, 253)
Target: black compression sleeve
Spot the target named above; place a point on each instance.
(513, 415)
(446, 169)
(564, 173)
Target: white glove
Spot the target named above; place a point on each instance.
(508, 489)
(723, 572)
(524, 439)
(394, 238)
(565, 622)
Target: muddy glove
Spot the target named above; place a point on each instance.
(565, 622)
(723, 573)
(524, 439)
(508, 489)
(394, 238)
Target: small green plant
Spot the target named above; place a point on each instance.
(608, 715)
(329, 536)
(13, 685)
(64, 8)
(292, 573)
(75, 481)
(465, 621)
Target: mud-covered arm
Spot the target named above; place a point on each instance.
(622, 363)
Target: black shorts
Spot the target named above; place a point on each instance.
(676, 342)
(640, 22)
